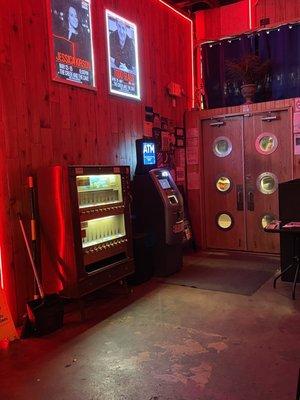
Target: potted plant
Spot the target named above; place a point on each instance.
(248, 71)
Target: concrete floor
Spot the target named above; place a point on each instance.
(164, 342)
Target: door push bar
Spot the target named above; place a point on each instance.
(217, 123)
(269, 118)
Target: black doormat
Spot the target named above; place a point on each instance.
(241, 275)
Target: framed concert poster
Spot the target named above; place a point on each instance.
(123, 60)
(71, 43)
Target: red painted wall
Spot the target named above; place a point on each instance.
(223, 21)
(45, 123)
(278, 11)
(234, 19)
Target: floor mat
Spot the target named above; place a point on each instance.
(240, 275)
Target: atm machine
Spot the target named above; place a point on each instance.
(158, 209)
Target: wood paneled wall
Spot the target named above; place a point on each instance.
(276, 10)
(222, 21)
(45, 123)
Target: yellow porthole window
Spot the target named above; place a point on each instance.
(223, 184)
(267, 183)
(267, 219)
(224, 221)
(266, 143)
(222, 146)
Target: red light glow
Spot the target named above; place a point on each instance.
(1, 270)
(176, 11)
(192, 44)
(250, 15)
(4, 344)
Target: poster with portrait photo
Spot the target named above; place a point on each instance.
(71, 46)
(123, 63)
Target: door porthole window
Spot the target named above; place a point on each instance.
(267, 183)
(266, 143)
(223, 184)
(224, 221)
(266, 219)
(222, 146)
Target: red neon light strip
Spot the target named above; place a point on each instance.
(1, 270)
(192, 45)
(176, 11)
(250, 15)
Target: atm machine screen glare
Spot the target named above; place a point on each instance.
(164, 183)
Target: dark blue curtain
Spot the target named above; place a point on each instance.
(281, 46)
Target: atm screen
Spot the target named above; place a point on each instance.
(149, 157)
(164, 183)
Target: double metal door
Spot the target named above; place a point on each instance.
(245, 157)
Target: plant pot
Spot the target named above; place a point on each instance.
(248, 91)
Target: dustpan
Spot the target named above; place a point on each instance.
(44, 315)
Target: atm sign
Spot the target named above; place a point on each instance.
(149, 153)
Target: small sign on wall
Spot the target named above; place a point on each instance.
(192, 151)
(148, 128)
(297, 144)
(192, 133)
(180, 174)
(297, 122)
(193, 180)
(297, 104)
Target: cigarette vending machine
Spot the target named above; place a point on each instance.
(158, 209)
(85, 227)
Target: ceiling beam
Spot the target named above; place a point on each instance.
(212, 3)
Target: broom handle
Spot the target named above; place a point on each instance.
(33, 226)
(42, 294)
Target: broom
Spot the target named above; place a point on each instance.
(44, 315)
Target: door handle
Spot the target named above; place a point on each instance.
(250, 201)
(239, 198)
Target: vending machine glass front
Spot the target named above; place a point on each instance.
(101, 230)
(99, 190)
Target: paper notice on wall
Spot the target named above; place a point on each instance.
(192, 132)
(7, 327)
(180, 157)
(193, 180)
(297, 104)
(180, 175)
(193, 142)
(297, 122)
(297, 144)
(192, 157)
(192, 151)
(148, 128)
